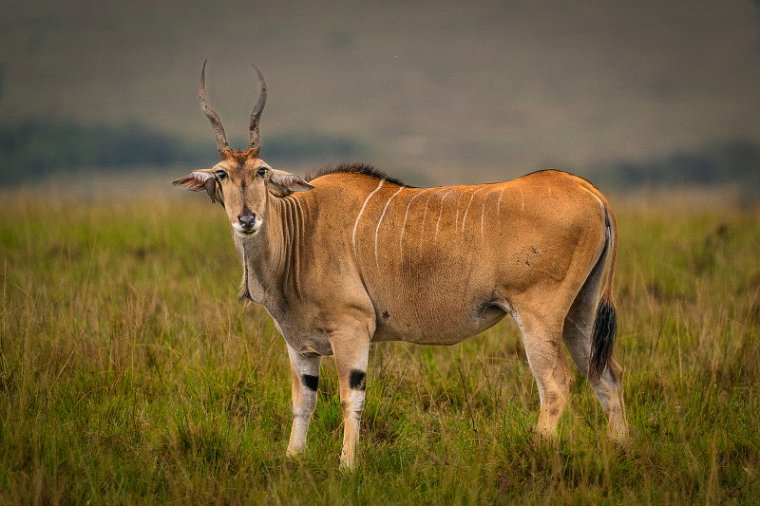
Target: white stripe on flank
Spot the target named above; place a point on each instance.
(377, 228)
(424, 215)
(456, 220)
(464, 218)
(422, 227)
(498, 205)
(406, 215)
(364, 206)
(438, 223)
(482, 213)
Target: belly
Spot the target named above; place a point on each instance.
(440, 326)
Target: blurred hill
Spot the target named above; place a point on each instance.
(436, 92)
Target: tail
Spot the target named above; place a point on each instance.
(605, 324)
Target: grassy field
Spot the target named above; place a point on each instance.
(130, 373)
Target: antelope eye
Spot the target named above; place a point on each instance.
(262, 171)
(220, 174)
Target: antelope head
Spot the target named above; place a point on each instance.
(241, 181)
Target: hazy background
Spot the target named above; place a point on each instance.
(627, 93)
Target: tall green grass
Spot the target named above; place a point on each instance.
(129, 372)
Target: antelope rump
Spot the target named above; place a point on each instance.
(352, 256)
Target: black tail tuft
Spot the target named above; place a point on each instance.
(603, 338)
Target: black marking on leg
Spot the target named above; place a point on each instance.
(310, 382)
(357, 379)
(386, 314)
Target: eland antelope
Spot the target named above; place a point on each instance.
(352, 256)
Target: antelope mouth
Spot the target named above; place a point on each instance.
(247, 231)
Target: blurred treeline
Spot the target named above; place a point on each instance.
(34, 149)
(735, 161)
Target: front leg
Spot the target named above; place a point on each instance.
(305, 379)
(351, 356)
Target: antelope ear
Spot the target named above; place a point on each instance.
(282, 184)
(201, 179)
(196, 180)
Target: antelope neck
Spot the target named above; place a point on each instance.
(272, 258)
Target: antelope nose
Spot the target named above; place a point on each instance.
(247, 220)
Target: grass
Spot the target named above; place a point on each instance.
(130, 373)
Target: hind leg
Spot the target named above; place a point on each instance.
(579, 325)
(542, 340)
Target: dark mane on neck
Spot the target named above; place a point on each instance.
(355, 168)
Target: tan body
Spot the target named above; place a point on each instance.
(428, 265)
(356, 257)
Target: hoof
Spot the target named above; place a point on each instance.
(293, 452)
(544, 439)
(347, 465)
(619, 436)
